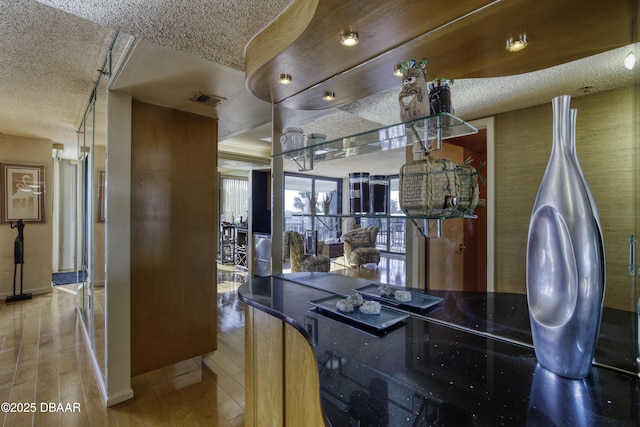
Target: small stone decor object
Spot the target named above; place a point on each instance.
(565, 259)
(344, 305)
(355, 299)
(370, 307)
(385, 290)
(402, 296)
(414, 96)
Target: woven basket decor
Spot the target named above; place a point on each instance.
(467, 188)
(428, 186)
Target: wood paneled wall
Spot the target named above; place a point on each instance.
(173, 236)
(605, 146)
(282, 383)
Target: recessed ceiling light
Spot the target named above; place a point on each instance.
(349, 39)
(630, 61)
(329, 96)
(284, 79)
(517, 45)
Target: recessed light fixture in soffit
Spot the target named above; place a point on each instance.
(349, 38)
(516, 45)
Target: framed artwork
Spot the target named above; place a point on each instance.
(102, 212)
(22, 192)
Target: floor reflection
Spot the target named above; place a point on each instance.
(391, 270)
(230, 308)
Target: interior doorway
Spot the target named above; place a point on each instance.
(459, 259)
(475, 230)
(65, 212)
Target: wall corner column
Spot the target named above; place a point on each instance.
(118, 257)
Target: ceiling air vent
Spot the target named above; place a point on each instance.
(210, 100)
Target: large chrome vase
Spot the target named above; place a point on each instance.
(565, 258)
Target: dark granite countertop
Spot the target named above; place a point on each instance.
(450, 365)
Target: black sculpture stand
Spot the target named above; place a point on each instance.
(18, 258)
(21, 296)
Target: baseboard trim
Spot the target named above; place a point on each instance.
(108, 399)
(94, 362)
(33, 292)
(114, 399)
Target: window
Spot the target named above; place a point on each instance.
(300, 192)
(235, 200)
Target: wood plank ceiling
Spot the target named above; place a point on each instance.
(462, 39)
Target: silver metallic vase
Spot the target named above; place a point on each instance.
(565, 259)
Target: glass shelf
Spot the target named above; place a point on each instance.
(445, 214)
(426, 225)
(425, 134)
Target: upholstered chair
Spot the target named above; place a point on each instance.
(294, 250)
(360, 246)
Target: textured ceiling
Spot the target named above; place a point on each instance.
(50, 51)
(214, 30)
(49, 61)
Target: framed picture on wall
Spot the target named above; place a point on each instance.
(21, 192)
(102, 212)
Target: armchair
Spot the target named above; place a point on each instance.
(360, 246)
(294, 250)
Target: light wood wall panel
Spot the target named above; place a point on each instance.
(279, 34)
(605, 147)
(302, 390)
(264, 360)
(249, 361)
(173, 243)
(282, 383)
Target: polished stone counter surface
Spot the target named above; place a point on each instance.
(439, 367)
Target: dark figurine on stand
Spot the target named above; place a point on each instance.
(18, 258)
